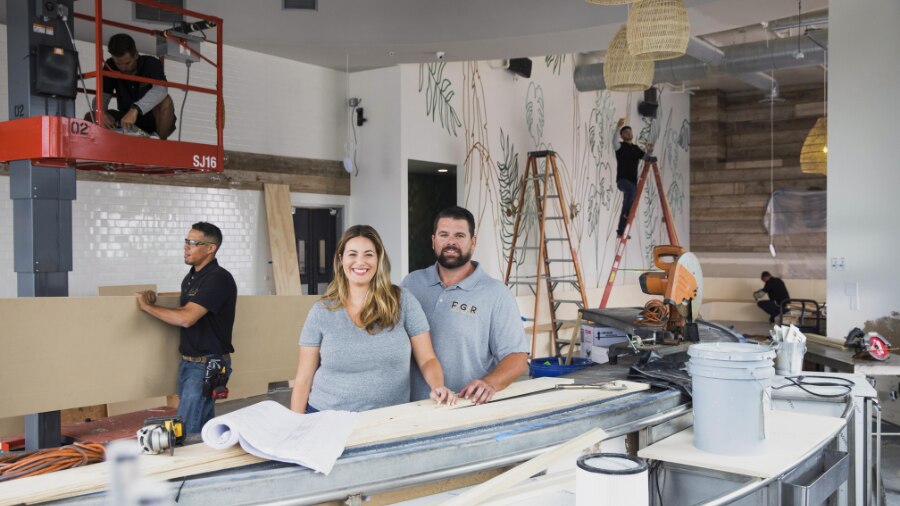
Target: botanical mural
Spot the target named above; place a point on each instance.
(503, 117)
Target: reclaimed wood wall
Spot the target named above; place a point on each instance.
(731, 167)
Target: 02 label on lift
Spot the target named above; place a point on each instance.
(205, 162)
(77, 127)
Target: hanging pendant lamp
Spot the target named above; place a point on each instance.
(814, 154)
(610, 2)
(621, 71)
(658, 29)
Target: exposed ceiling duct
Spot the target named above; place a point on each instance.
(817, 18)
(743, 61)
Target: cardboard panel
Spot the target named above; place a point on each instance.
(123, 290)
(68, 352)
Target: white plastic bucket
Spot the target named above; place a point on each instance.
(789, 360)
(731, 388)
(611, 479)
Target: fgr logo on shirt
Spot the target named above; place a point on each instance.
(460, 307)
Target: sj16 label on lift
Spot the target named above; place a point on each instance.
(205, 162)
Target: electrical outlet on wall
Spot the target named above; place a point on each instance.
(838, 263)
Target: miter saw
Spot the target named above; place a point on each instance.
(680, 282)
(868, 345)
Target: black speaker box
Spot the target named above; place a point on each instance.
(647, 108)
(520, 66)
(56, 71)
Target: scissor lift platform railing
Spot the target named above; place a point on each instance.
(61, 141)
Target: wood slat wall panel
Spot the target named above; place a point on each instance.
(730, 176)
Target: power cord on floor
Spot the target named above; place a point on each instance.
(46, 461)
(802, 383)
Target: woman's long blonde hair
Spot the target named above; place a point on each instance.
(381, 309)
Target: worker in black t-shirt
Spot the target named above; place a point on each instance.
(147, 106)
(777, 292)
(206, 317)
(628, 156)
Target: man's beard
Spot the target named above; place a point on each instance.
(453, 263)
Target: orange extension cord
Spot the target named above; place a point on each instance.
(46, 461)
(655, 314)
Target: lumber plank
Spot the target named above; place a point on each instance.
(524, 471)
(379, 416)
(442, 419)
(831, 342)
(282, 242)
(537, 487)
(200, 458)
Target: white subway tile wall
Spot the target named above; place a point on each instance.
(126, 234)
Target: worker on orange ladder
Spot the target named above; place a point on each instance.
(628, 156)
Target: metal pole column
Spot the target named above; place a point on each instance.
(42, 196)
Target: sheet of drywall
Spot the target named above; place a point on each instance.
(69, 352)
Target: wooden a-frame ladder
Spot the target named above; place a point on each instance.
(550, 205)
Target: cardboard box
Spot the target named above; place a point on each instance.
(599, 339)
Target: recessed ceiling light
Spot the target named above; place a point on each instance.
(442, 170)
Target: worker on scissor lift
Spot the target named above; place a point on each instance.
(145, 106)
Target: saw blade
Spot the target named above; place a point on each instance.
(878, 347)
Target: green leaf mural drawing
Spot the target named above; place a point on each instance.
(438, 94)
(510, 188)
(555, 62)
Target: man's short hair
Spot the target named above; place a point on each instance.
(121, 44)
(209, 230)
(626, 127)
(765, 274)
(456, 213)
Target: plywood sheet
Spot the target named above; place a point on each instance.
(791, 436)
(198, 459)
(68, 352)
(282, 242)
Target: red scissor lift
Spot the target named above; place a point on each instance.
(63, 141)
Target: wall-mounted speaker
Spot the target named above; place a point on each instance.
(520, 66)
(647, 108)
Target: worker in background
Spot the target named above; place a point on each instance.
(357, 342)
(475, 323)
(206, 317)
(628, 156)
(777, 292)
(146, 106)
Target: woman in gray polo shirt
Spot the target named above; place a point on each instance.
(358, 340)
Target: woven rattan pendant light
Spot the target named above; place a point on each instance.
(814, 153)
(609, 2)
(658, 29)
(621, 71)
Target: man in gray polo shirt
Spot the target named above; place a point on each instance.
(476, 327)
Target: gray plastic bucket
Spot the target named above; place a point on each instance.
(731, 388)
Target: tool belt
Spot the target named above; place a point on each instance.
(216, 377)
(203, 360)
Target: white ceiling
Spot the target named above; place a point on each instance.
(380, 33)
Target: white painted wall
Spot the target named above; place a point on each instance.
(863, 212)
(486, 101)
(378, 190)
(128, 233)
